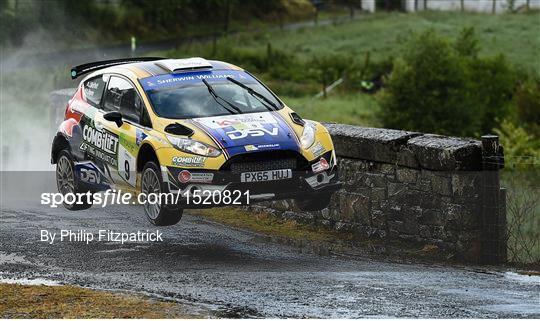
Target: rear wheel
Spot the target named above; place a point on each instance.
(152, 183)
(68, 183)
(313, 203)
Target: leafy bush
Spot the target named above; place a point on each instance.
(527, 100)
(520, 147)
(443, 87)
(429, 89)
(467, 44)
(492, 84)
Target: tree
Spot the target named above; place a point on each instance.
(443, 87)
(428, 90)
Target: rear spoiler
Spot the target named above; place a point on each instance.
(93, 66)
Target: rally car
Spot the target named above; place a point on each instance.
(154, 125)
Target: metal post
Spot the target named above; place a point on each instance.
(493, 203)
(133, 45)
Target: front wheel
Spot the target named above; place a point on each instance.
(152, 183)
(313, 203)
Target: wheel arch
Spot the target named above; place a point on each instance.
(146, 153)
(59, 143)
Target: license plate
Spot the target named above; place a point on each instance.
(264, 176)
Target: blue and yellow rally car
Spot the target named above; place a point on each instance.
(154, 125)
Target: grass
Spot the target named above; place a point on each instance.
(44, 302)
(523, 214)
(267, 224)
(355, 109)
(515, 35)
(383, 35)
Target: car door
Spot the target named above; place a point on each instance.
(122, 96)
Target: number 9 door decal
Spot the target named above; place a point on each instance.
(126, 163)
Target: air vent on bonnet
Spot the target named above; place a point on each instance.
(178, 129)
(297, 119)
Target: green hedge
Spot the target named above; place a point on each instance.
(440, 86)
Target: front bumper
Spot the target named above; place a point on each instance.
(302, 185)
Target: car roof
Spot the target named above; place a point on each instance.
(140, 70)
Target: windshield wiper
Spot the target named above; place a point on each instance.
(255, 94)
(216, 97)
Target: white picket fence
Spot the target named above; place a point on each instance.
(485, 6)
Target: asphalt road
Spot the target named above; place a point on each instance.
(216, 270)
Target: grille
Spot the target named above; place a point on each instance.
(266, 165)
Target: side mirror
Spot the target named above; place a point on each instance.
(114, 116)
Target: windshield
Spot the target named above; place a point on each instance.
(186, 96)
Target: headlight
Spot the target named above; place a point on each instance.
(193, 147)
(308, 136)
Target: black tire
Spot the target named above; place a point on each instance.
(68, 182)
(313, 203)
(152, 182)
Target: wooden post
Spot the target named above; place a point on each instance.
(494, 7)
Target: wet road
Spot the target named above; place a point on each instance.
(220, 271)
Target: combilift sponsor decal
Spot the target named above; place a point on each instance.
(188, 161)
(102, 139)
(101, 144)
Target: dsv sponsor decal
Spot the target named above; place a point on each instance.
(252, 132)
(103, 140)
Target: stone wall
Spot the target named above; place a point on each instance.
(414, 187)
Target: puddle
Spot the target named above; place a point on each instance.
(120, 250)
(23, 281)
(529, 279)
(6, 258)
(524, 309)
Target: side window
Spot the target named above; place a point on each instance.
(122, 96)
(145, 118)
(93, 90)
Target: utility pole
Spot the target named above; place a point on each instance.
(494, 7)
(462, 5)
